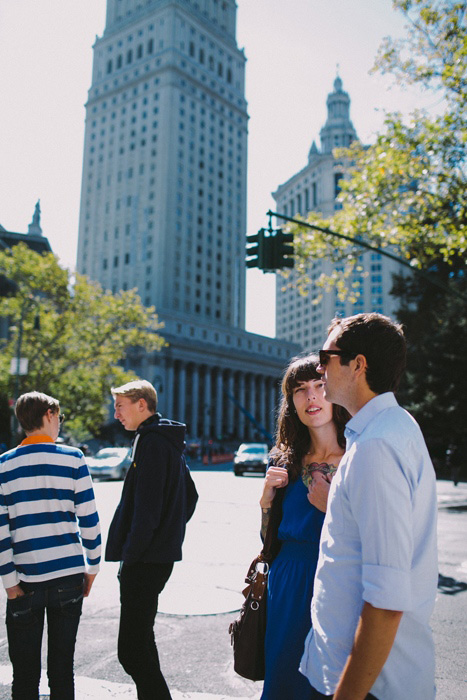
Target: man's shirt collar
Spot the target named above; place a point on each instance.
(360, 420)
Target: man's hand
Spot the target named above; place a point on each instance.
(373, 641)
(14, 592)
(318, 491)
(87, 584)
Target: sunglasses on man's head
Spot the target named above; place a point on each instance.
(325, 355)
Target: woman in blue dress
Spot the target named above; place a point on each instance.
(309, 445)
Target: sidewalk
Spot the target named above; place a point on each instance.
(93, 689)
(449, 496)
(211, 594)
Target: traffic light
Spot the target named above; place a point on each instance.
(260, 250)
(282, 250)
(255, 249)
(268, 251)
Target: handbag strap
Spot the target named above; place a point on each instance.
(272, 544)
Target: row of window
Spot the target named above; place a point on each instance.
(124, 97)
(302, 203)
(127, 59)
(209, 62)
(216, 12)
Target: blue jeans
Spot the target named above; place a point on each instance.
(62, 598)
(140, 586)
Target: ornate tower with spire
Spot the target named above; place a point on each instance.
(316, 187)
(338, 132)
(35, 225)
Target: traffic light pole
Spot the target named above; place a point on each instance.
(368, 246)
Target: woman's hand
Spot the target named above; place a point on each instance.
(276, 478)
(318, 490)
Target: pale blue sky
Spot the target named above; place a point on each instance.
(292, 47)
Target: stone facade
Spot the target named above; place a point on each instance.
(163, 203)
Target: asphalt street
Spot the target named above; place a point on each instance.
(204, 593)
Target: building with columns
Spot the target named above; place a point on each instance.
(207, 372)
(163, 205)
(304, 319)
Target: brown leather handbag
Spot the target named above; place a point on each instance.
(248, 631)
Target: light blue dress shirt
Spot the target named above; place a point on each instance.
(378, 545)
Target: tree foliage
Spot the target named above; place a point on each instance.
(74, 334)
(408, 191)
(434, 53)
(435, 388)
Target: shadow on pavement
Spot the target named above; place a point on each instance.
(449, 586)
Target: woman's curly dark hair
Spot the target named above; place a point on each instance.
(292, 437)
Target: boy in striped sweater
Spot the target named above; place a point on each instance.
(47, 517)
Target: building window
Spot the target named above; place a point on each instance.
(337, 180)
(314, 195)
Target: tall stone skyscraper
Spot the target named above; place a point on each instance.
(163, 203)
(164, 180)
(304, 318)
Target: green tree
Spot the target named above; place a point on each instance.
(74, 334)
(435, 386)
(408, 191)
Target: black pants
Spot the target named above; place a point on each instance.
(62, 600)
(319, 696)
(140, 586)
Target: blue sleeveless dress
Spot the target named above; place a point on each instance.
(290, 589)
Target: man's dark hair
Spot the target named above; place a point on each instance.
(380, 340)
(31, 408)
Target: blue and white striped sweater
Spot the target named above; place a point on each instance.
(46, 494)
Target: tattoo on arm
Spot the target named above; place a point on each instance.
(265, 515)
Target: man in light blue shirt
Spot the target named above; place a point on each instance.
(377, 572)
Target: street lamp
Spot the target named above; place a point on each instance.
(19, 365)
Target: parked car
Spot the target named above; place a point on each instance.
(110, 463)
(251, 457)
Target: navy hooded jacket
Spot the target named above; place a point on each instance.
(158, 497)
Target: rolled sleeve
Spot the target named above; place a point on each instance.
(380, 493)
(386, 588)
